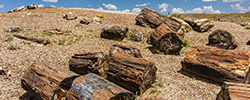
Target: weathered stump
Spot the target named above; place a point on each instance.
(116, 48)
(134, 74)
(222, 39)
(234, 91)
(166, 40)
(37, 40)
(88, 62)
(218, 64)
(44, 83)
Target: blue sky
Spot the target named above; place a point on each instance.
(134, 6)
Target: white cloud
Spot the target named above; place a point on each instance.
(136, 10)
(40, 5)
(100, 8)
(110, 6)
(163, 6)
(141, 5)
(231, 0)
(126, 11)
(50, 0)
(238, 7)
(2, 5)
(205, 9)
(177, 11)
(208, 0)
(52, 6)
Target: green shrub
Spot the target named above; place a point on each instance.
(78, 25)
(47, 34)
(154, 91)
(62, 42)
(185, 43)
(247, 27)
(100, 16)
(9, 39)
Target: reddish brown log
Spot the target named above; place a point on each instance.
(37, 40)
(88, 62)
(117, 48)
(134, 74)
(44, 83)
(218, 64)
(234, 91)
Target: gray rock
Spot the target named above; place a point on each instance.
(136, 36)
(14, 29)
(32, 6)
(69, 16)
(85, 21)
(114, 32)
(13, 47)
(97, 20)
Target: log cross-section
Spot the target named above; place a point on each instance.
(218, 64)
(234, 91)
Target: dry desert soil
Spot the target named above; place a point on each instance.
(175, 84)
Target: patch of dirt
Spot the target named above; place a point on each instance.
(176, 84)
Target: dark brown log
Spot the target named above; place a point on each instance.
(166, 40)
(44, 83)
(88, 62)
(218, 64)
(37, 40)
(234, 91)
(134, 74)
(117, 48)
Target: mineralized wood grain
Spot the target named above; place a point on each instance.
(44, 83)
(40, 81)
(134, 74)
(117, 48)
(234, 91)
(218, 64)
(37, 40)
(94, 87)
(87, 62)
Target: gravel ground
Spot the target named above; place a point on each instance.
(176, 84)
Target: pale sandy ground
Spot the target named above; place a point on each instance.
(176, 84)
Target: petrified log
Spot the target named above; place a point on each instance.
(148, 17)
(166, 40)
(117, 48)
(134, 74)
(218, 64)
(40, 41)
(222, 39)
(88, 62)
(94, 87)
(234, 91)
(44, 83)
(40, 81)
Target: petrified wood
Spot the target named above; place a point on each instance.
(88, 62)
(37, 40)
(166, 40)
(117, 48)
(218, 64)
(134, 74)
(234, 91)
(44, 83)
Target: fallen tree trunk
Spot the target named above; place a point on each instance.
(44, 83)
(117, 48)
(134, 74)
(218, 64)
(37, 40)
(234, 91)
(88, 62)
